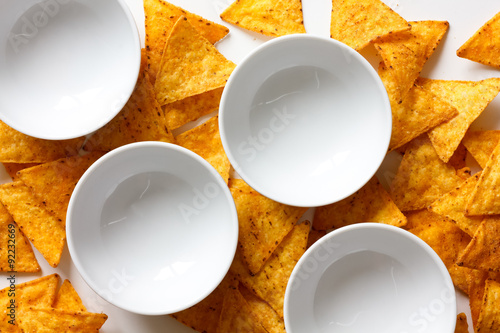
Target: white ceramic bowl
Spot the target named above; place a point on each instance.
(370, 277)
(305, 120)
(152, 228)
(67, 66)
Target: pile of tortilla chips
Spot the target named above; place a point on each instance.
(433, 194)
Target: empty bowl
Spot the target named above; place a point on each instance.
(305, 120)
(370, 277)
(68, 66)
(152, 228)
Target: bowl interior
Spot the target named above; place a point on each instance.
(77, 60)
(152, 228)
(305, 120)
(370, 278)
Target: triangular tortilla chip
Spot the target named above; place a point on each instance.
(357, 23)
(13, 168)
(484, 45)
(452, 205)
(422, 177)
(470, 98)
(38, 319)
(371, 203)
(266, 315)
(483, 252)
(205, 141)
(45, 232)
(240, 184)
(268, 17)
(68, 299)
(160, 17)
(480, 144)
(489, 316)
(16, 254)
(476, 280)
(461, 325)
(263, 224)
(237, 315)
(204, 316)
(271, 281)
(190, 65)
(53, 183)
(314, 236)
(405, 54)
(417, 113)
(191, 108)
(484, 198)
(21, 148)
(141, 119)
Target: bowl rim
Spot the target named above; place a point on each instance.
(348, 51)
(402, 233)
(75, 253)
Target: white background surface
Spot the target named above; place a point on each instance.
(464, 16)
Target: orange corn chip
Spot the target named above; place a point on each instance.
(13, 168)
(263, 224)
(191, 108)
(16, 254)
(20, 148)
(266, 315)
(37, 319)
(357, 23)
(68, 299)
(314, 236)
(240, 184)
(470, 98)
(489, 316)
(237, 315)
(190, 65)
(270, 282)
(480, 144)
(205, 141)
(417, 113)
(476, 280)
(141, 119)
(461, 325)
(452, 205)
(483, 251)
(422, 177)
(268, 17)
(484, 45)
(160, 17)
(371, 203)
(45, 232)
(405, 54)
(53, 183)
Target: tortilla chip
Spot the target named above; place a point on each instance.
(263, 224)
(461, 325)
(240, 184)
(476, 280)
(191, 108)
(480, 144)
(190, 65)
(205, 141)
(489, 316)
(405, 54)
(20, 148)
(483, 252)
(484, 198)
(68, 299)
(237, 316)
(53, 183)
(314, 236)
(141, 119)
(371, 203)
(422, 177)
(357, 23)
(45, 232)
(470, 98)
(268, 17)
(270, 282)
(452, 205)
(484, 45)
(13, 168)
(16, 254)
(38, 319)
(266, 315)
(418, 112)
(445, 238)
(160, 17)
(204, 316)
